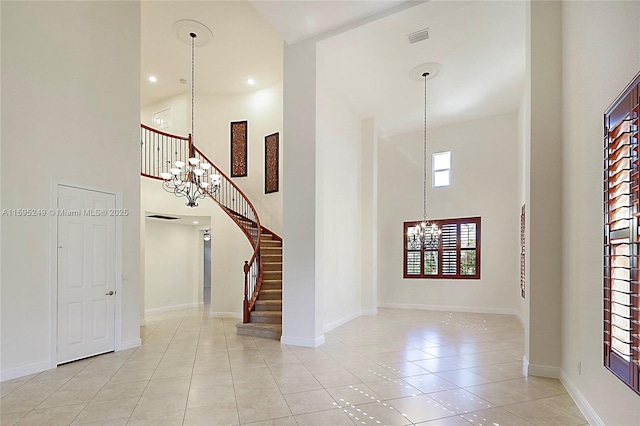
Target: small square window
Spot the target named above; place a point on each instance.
(442, 169)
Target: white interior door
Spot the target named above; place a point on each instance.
(86, 273)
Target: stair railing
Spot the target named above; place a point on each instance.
(158, 152)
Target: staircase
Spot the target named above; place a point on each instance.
(262, 305)
(266, 319)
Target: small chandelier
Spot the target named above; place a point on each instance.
(196, 181)
(427, 233)
(207, 235)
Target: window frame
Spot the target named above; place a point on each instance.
(621, 283)
(440, 250)
(447, 169)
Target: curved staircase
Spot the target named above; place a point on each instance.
(262, 304)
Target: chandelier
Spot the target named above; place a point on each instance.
(196, 180)
(427, 233)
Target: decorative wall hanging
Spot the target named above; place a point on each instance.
(271, 163)
(522, 257)
(239, 148)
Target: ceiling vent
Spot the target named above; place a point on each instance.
(159, 216)
(418, 36)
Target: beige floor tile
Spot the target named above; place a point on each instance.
(463, 378)
(172, 385)
(436, 365)
(204, 397)
(498, 394)
(336, 378)
(534, 388)
(375, 412)
(460, 401)
(92, 383)
(262, 408)
(310, 401)
(494, 416)
(282, 421)
(420, 408)
(566, 404)
(171, 371)
(219, 414)
(335, 417)
(301, 383)
(353, 394)
(107, 410)
(14, 403)
(540, 414)
(429, 383)
(167, 418)
(112, 422)
(52, 416)
(397, 388)
(68, 397)
(9, 419)
(132, 376)
(113, 391)
(163, 403)
(405, 369)
(447, 421)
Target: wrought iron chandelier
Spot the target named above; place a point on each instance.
(197, 179)
(427, 232)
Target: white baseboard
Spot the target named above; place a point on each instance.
(341, 321)
(213, 314)
(25, 370)
(587, 411)
(173, 308)
(543, 371)
(128, 344)
(473, 309)
(302, 341)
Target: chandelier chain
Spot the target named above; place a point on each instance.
(424, 179)
(193, 82)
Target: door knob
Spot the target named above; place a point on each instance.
(111, 293)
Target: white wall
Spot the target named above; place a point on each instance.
(229, 246)
(180, 106)
(171, 266)
(338, 210)
(597, 65)
(484, 182)
(70, 108)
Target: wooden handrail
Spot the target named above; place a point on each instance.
(152, 130)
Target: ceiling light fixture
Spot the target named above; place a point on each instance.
(251, 82)
(207, 235)
(195, 222)
(192, 182)
(427, 233)
(153, 79)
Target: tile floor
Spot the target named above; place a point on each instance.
(400, 367)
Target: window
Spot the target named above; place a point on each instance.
(621, 238)
(442, 169)
(457, 255)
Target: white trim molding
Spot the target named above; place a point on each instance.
(301, 341)
(173, 308)
(25, 370)
(543, 371)
(129, 344)
(214, 314)
(583, 405)
(473, 309)
(341, 321)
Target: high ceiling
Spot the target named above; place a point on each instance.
(480, 45)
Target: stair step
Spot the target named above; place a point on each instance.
(271, 266)
(268, 305)
(270, 294)
(271, 285)
(271, 275)
(272, 257)
(266, 317)
(270, 243)
(269, 331)
(271, 251)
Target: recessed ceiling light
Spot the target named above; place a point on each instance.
(195, 222)
(153, 79)
(251, 81)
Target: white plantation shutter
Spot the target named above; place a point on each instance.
(621, 253)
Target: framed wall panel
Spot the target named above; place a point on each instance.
(271, 163)
(239, 148)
